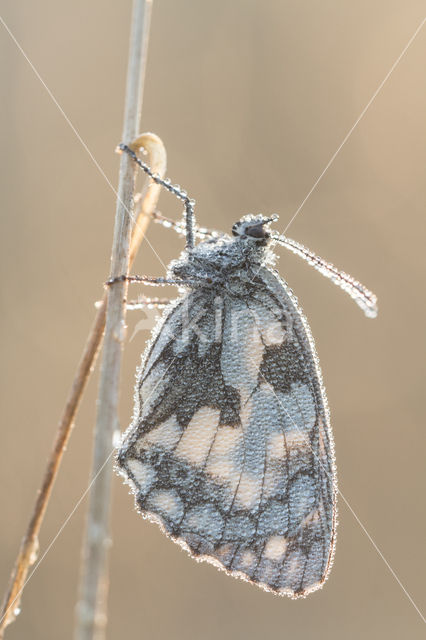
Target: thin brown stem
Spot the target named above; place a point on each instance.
(28, 551)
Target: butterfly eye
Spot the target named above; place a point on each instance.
(257, 231)
(235, 229)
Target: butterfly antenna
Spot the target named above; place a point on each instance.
(360, 294)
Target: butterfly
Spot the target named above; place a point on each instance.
(230, 449)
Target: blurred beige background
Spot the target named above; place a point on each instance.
(251, 99)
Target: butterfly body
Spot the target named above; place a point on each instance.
(230, 449)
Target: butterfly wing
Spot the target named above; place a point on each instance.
(230, 448)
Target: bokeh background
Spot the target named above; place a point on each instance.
(251, 99)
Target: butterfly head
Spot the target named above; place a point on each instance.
(254, 228)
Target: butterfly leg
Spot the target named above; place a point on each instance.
(189, 204)
(149, 280)
(179, 227)
(143, 302)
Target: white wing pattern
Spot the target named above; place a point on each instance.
(230, 448)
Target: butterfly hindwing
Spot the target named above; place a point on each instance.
(230, 448)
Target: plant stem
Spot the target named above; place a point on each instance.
(29, 545)
(91, 609)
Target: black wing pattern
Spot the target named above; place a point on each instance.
(230, 448)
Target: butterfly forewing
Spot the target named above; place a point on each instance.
(230, 449)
